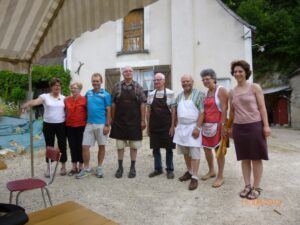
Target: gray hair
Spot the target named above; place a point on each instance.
(161, 75)
(188, 77)
(126, 67)
(209, 72)
(78, 84)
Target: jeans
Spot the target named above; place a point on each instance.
(157, 160)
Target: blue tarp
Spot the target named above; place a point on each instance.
(14, 133)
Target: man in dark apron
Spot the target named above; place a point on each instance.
(161, 122)
(128, 118)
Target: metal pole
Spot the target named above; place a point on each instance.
(30, 122)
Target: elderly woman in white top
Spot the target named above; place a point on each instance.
(54, 119)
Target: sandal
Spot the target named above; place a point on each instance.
(73, 171)
(254, 193)
(63, 171)
(244, 193)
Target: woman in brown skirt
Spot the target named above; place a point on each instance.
(250, 127)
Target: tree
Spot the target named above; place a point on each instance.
(278, 29)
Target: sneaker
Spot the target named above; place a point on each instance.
(186, 176)
(170, 175)
(119, 172)
(99, 172)
(155, 173)
(194, 184)
(132, 173)
(83, 173)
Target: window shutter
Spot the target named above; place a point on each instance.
(166, 70)
(112, 76)
(133, 31)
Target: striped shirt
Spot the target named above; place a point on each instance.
(160, 94)
(196, 96)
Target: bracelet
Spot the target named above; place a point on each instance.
(198, 128)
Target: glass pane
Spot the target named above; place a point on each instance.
(133, 31)
(136, 76)
(148, 80)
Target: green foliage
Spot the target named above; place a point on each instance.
(41, 74)
(14, 85)
(278, 29)
(10, 109)
(11, 84)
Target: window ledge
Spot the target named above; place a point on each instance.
(144, 51)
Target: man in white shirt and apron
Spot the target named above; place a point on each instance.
(188, 130)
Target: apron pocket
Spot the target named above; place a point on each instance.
(209, 129)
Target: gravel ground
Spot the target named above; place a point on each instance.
(160, 201)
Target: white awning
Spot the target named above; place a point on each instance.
(30, 29)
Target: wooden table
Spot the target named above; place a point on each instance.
(68, 213)
(3, 166)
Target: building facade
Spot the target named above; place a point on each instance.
(295, 99)
(175, 37)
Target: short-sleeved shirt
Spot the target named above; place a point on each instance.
(196, 96)
(160, 94)
(75, 111)
(138, 89)
(97, 102)
(54, 108)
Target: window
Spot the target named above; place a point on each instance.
(133, 31)
(225, 82)
(144, 78)
(143, 75)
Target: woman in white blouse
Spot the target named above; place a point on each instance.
(54, 119)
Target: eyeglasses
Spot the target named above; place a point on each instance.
(157, 80)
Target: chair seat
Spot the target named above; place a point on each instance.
(25, 184)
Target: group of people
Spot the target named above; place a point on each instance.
(189, 121)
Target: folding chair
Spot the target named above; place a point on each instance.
(52, 154)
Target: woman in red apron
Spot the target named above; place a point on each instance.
(215, 114)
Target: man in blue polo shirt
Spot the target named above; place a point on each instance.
(97, 127)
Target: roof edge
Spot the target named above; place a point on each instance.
(235, 16)
(295, 73)
(271, 90)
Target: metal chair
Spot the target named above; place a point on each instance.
(52, 154)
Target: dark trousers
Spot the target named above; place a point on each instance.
(157, 160)
(75, 136)
(50, 130)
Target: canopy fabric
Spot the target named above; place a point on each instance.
(30, 29)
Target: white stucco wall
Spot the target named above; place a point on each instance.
(295, 101)
(218, 39)
(98, 49)
(190, 35)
